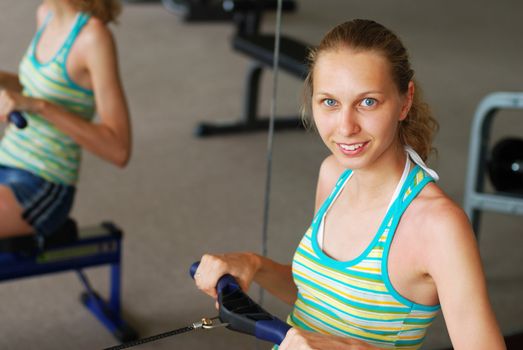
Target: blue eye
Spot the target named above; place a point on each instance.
(368, 102)
(329, 102)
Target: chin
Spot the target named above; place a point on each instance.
(353, 164)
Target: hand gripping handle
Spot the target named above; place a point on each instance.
(226, 284)
(243, 314)
(17, 119)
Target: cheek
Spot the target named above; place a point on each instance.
(389, 131)
(321, 121)
(322, 127)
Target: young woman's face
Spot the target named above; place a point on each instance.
(357, 106)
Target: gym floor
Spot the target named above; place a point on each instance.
(182, 196)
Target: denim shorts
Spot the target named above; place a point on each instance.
(46, 205)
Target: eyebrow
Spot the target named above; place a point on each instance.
(370, 92)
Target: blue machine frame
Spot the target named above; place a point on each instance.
(95, 246)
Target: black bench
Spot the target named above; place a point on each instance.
(260, 48)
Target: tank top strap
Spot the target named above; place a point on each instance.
(418, 178)
(80, 22)
(38, 34)
(332, 196)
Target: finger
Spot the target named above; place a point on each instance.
(204, 278)
(286, 343)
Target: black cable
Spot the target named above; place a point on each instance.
(152, 338)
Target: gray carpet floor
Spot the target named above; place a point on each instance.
(181, 196)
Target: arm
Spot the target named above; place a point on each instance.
(456, 269)
(10, 81)
(246, 268)
(109, 139)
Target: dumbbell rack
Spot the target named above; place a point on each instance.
(476, 199)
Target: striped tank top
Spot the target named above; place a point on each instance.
(356, 298)
(41, 148)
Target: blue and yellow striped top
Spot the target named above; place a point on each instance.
(41, 148)
(356, 298)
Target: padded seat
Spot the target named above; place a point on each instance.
(31, 243)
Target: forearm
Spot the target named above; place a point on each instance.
(109, 142)
(10, 81)
(276, 279)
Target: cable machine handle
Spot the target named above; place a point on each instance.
(17, 119)
(243, 314)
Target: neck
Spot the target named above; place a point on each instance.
(63, 11)
(377, 183)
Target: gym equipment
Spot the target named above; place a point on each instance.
(198, 10)
(17, 119)
(476, 199)
(237, 312)
(213, 10)
(505, 166)
(242, 314)
(502, 167)
(68, 249)
(260, 49)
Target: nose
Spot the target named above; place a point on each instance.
(348, 122)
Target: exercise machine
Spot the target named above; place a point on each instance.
(237, 312)
(259, 47)
(505, 166)
(198, 10)
(506, 199)
(502, 163)
(73, 249)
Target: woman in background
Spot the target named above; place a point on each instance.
(69, 73)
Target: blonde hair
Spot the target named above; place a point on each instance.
(419, 127)
(106, 10)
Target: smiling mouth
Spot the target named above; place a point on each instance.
(352, 147)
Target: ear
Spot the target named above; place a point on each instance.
(407, 103)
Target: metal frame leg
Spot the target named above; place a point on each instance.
(249, 120)
(109, 313)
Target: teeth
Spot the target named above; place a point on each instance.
(352, 147)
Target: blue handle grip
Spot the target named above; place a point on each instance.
(243, 314)
(17, 119)
(271, 330)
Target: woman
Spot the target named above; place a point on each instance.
(387, 249)
(69, 73)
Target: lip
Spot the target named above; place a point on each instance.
(352, 149)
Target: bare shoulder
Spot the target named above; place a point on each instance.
(330, 172)
(443, 219)
(96, 44)
(41, 13)
(96, 36)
